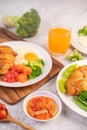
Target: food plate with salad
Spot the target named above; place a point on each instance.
(72, 86)
(79, 39)
(23, 63)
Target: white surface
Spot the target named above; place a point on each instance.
(44, 94)
(41, 53)
(66, 98)
(70, 13)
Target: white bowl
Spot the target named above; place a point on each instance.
(46, 94)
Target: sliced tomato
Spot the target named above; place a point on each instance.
(3, 78)
(16, 74)
(3, 114)
(10, 77)
(2, 106)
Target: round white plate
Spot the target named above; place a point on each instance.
(17, 45)
(75, 43)
(68, 99)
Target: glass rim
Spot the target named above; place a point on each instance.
(54, 33)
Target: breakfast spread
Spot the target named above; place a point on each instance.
(19, 66)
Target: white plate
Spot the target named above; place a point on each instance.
(68, 99)
(17, 45)
(75, 43)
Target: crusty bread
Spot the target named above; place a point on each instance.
(7, 58)
(7, 50)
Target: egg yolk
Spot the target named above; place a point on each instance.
(30, 56)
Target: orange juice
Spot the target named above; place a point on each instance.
(59, 40)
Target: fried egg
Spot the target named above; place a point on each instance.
(25, 54)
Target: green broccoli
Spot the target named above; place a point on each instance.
(36, 71)
(26, 26)
(37, 67)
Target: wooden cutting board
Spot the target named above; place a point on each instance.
(13, 95)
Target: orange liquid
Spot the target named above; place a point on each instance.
(59, 40)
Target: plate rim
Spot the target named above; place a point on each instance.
(14, 85)
(75, 43)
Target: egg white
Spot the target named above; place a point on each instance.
(20, 55)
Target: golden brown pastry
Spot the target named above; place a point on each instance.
(7, 58)
(6, 61)
(77, 81)
(7, 50)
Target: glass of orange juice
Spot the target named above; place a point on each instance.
(59, 40)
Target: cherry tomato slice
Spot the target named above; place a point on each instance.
(3, 114)
(2, 106)
(10, 77)
(3, 78)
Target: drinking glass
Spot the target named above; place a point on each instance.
(59, 40)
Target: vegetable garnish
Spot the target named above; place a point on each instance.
(26, 26)
(66, 74)
(36, 68)
(74, 56)
(79, 103)
(83, 31)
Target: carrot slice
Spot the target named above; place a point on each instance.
(40, 117)
(47, 116)
(22, 78)
(27, 70)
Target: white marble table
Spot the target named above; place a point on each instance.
(60, 12)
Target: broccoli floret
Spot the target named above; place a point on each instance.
(37, 67)
(36, 71)
(26, 26)
(39, 63)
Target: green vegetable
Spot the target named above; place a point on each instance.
(36, 71)
(37, 67)
(69, 71)
(26, 26)
(83, 95)
(83, 31)
(62, 84)
(79, 103)
(84, 102)
(39, 63)
(66, 74)
(74, 56)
